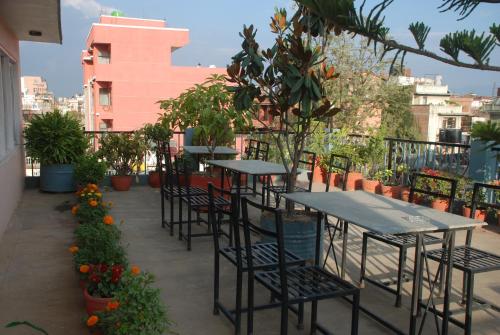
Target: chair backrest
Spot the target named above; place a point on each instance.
(449, 194)
(476, 201)
(164, 156)
(263, 151)
(214, 211)
(250, 227)
(339, 164)
(308, 161)
(252, 149)
(182, 169)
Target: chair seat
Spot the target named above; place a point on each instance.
(306, 283)
(183, 190)
(468, 259)
(203, 201)
(265, 255)
(282, 189)
(404, 240)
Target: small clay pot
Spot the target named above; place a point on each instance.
(121, 183)
(372, 186)
(440, 204)
(480, 213)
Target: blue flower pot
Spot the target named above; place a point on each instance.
(57, 178)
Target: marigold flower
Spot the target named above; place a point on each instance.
(93, 203)
(98, 194)
(108, 219)
(92, 320)
(73, 249)
(84, 268)
(135, 270)
(74, 209)
(112, 305)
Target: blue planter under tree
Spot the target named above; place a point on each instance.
(57, 178)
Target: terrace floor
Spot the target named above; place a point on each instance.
(38, 283)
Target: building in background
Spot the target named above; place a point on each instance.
(432, 107)
(36, 97)
(472, 108)
(72, 105)
(492, 109)
(127, 68)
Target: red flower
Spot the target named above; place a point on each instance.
(103, 268)
(95, 278)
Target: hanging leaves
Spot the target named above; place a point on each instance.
(420, 32)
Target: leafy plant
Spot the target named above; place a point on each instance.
(103, 280)
(433, 185)
(154, 133)
(373, 152)
(487, 132)
(89, 169)
(91, 210)
(138, 309)
(55, 138)
(123, 152)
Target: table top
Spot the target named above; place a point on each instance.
(203, 150)
(381, 214)
(251, 167)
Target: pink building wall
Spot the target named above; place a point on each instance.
(12, 166)
(140, 71)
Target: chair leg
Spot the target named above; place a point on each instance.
(180, 219)
(284, 317)
(189, 210)
(314, 316)
(237, 311)
(216, 283)
(355, 314)
(363, 260)
(468, 305)
(300, 324)
(171, 198)
(401, 270)
(250, 304)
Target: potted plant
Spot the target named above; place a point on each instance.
(340, 144)
(373, 153)
(319, 145)
(389, 186)
(154, 134)
(89, 169)
(56, 140)
(435, 185)
(123, 152)
(289, 80)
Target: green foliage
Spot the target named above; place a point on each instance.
(154, 133)
(123, 152)
(89, 169)
(420, 32)
(87, 213)
(26, 323)
(487, 132)
(103, 280)
(397, 118)
(373, 152)
(141, 311)
(55, 138)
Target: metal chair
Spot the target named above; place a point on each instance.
(256, 150)
(171, 187)
(308, 162)
(470, 261)
(264, 255)
(405, 241)
(291, 285)
(341, 164)
(195, 202)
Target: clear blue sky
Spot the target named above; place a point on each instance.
(214, 27)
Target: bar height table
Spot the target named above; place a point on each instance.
(390, 216)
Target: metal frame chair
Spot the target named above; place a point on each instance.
(265, 256)
(257, 150)
(405, 241)
(470, 261)
(308, 159)
(292, 285)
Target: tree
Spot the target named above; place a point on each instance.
(344, 16)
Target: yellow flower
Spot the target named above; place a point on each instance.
(99, 194)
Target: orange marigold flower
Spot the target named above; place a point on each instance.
(135, 270)
(92, 320)
(108, 219)
(74, 209)
(93, 203)
(112, 305)
(73, 249)
(84, 268)
(98, 194)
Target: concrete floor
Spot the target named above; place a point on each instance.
(37, 281)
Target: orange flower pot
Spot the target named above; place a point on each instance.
(480, 213)
(94, 304)
(319, 175)
(121, 183)
(354, 181)
(440, 204)
(393, 191)
(372, 186)
(154, 179)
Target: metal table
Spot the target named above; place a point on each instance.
(203, 150)
(389, 216)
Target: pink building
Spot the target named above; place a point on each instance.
(127, 68)
(27, 20)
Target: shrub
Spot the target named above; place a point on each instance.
(88, 169)
(123, 152)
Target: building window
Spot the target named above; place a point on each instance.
(9, 106)
(449, 122)
(105, 96)
(104, 54)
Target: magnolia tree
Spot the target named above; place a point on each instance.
(288, 77)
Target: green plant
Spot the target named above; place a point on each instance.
(385, 177)
(91, 210)
(138, 308)
(433, 185)
(55, 138)
(340, 143)
(210, 110)
(103, 280)
(487, 132)
(373, 152)
(123, 152)
(89, 169)
(155, 133)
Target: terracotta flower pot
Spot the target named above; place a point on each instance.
(480, 213)
(121, 183)
(440, 204)
(94, 304)
(319, 175)
(354, 181)
(82, 283)
(392, 191)
(372, 186)
(154, 179)
(335, 179)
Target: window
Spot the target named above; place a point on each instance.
(104, 54)
(9, 106)
(449, 122)
(105, 96)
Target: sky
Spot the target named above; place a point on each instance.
(214, 26)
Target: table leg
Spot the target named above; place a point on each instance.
(448, 282)
(416, 285)
(319, 234)
(222, 178)
(344, 250)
